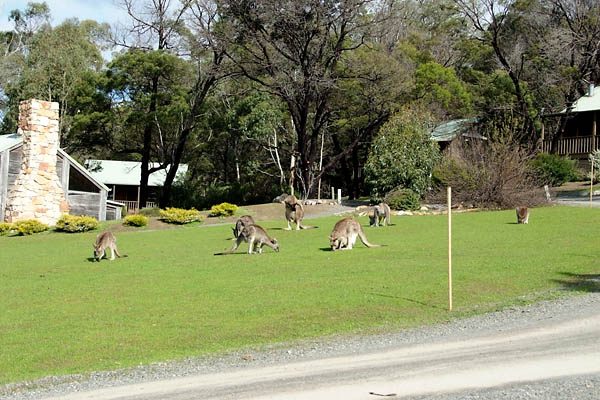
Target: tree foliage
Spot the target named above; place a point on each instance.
(402, 154)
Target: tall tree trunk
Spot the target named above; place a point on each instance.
(355, 170)
(201, 91)
(147, 147)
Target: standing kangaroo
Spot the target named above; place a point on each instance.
(106, 240)
(522, 215)
(241, 223)
(294, 212)
(344, 235)
(381, 215)
(256, 237)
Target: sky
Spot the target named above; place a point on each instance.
(98, 10)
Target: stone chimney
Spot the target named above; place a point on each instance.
(37, 192)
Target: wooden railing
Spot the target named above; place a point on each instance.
(132, 206)
(574, 145)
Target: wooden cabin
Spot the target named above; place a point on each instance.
(85, 195)
(450, 134)
(579, 138)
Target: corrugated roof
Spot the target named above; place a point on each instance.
(449, 130)
(9, 141)
(111, 172)
(587, 102)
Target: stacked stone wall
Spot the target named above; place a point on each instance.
(37, 192)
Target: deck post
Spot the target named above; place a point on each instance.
(594, 125)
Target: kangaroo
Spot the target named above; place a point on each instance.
(344, 235)
(241, 223)
(294, 212)
(106, 240)
(256, 237)
(381, 215)
(522, 215)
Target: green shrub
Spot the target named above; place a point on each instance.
(5, 228)
(135, 220)
(223, 210)
(30, 226)
(403, 199)
(174, 215)
(402, 154)
(554, 170)
(150, 212)
(74, 223)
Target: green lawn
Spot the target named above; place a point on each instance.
(171, 298)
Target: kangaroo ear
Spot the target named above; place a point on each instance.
(274, 240)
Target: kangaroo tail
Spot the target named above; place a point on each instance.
(364, 240)
(308, 227)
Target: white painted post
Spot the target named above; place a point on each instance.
(339, 196)
(449, 248)
(332, 193)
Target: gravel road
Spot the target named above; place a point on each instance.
(562, 310)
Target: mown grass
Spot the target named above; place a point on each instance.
(171, 298)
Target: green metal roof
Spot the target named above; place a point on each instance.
(449, 130)
(111, 172)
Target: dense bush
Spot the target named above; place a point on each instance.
(223, 210)
(135, 220)
(5, 228)
(174, 215)
(403, 199)
(202, 196)
(496, 173)
(402, 154)
(74, 223)
(554, 170)
(150, 212)
(30, 226)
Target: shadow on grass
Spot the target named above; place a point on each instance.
(409, 300)
(579, 282)
(326, 249)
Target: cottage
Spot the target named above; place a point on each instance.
(448, 134)
(38, 180)
(123, 179)
(579, 137)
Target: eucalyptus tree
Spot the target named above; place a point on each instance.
(55, 61)
(503, 26)
(182, 29)
(294, 51)
(14, 45)
(573, 47)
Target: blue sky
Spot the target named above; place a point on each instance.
(98, 10)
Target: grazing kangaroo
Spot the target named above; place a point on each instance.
(294, 212)
(106, 240)
(241, 223)
(522, 215)
(381, 215)
(256, 237)
(344, 235)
